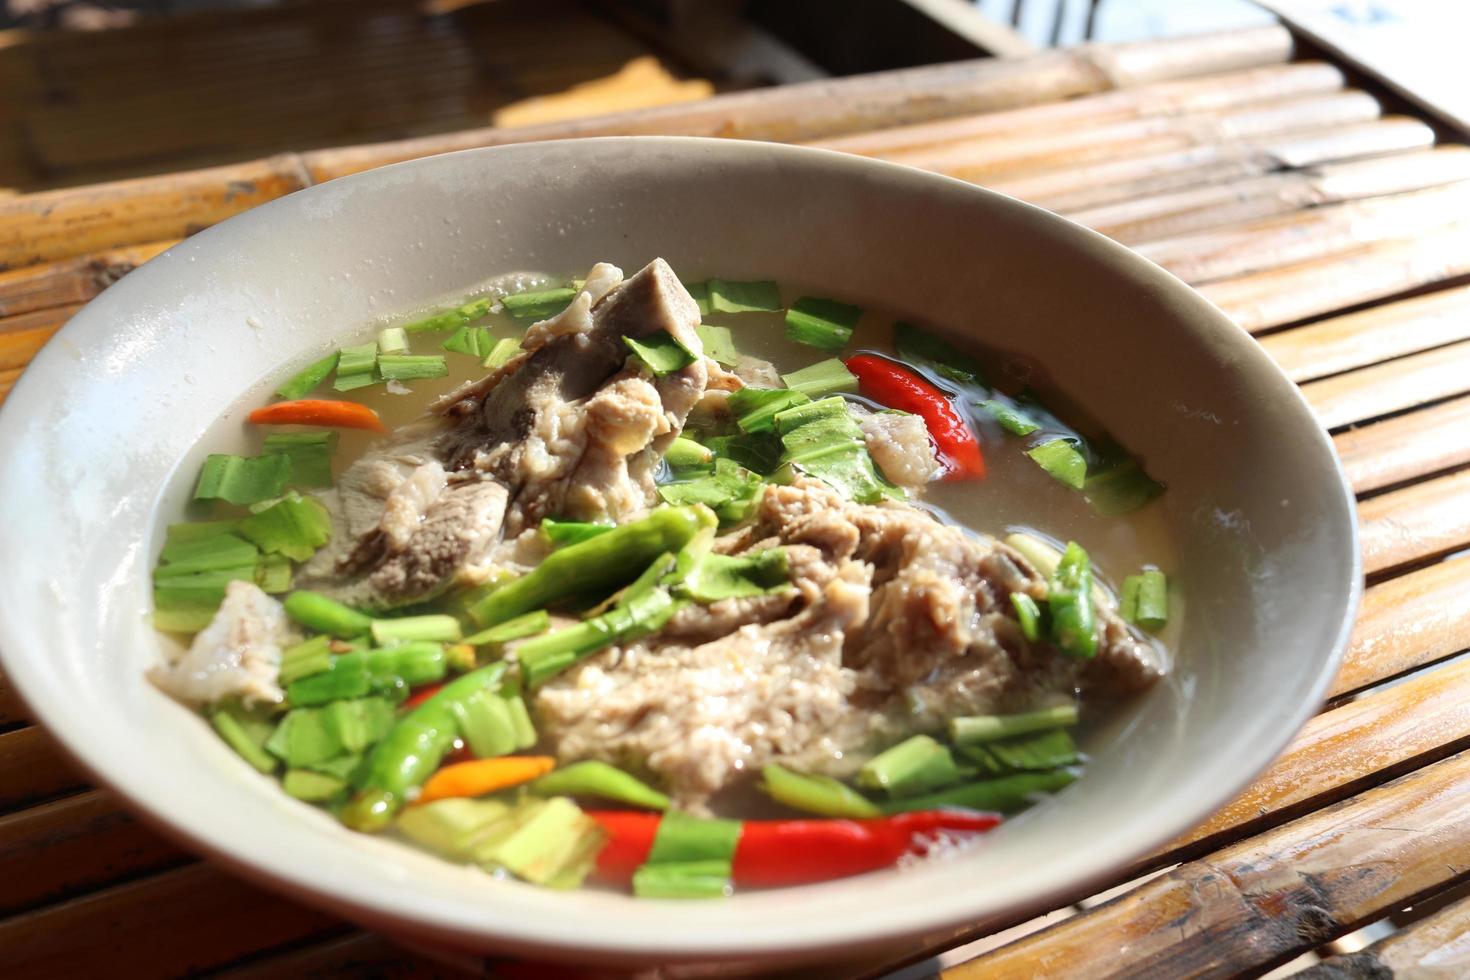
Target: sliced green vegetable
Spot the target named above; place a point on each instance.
(485, 724)
(500, 355)
(755, 409)
(312, 787)
(513, 629)
(1120, 488)
(988, 728)
(824, 440)
(310, 454)
(924, 349)
(205, 554)
(598, 779)
(293, 526)
(719, 577)
(699, 291)
(683, 880)
(357, 366)
(1069, 603)
(181, 535)
(1062, 460)
(1012, 419)
(392, 340)
(829, 377)
(743, 297)
(187, 603)
(303, 382)
(660, 353)
(821, 795)
(475, 341)
(326, 615)
(822, 323)
(728, 490)
(682, 837)
(435, 627)
(305, 659)
(273, 574)
(545, 656)
(718, 343)
(759, 452)
(1029, 615)
(1146, 599)
(1031, 752)
(1006, 794)
(243, 479)
(411, 367)
(915, 765)
(451, 318)
(451, 827)
(557, 846)
(538, 305)
(687, 457)
(245, 731)
(313, 735)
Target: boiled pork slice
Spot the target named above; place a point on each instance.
(237, 655)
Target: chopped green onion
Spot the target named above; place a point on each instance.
(392, 340)
(1069, 601)
(305, 659)
(1029, 615)
(305, 381)
(660, 353)
(1120, 488)
(500, 355)
(411, 367)
(451, 318)
(1031, 752)
(912, 766)
(829, 377)
(243, 479)
(326, 615)
(699, 292)
(598, 779)
(1006, 794)
(310, 454)
(822, 323)
(293, 526)
(989, 728)
(821, 795)
(1146, 599)
(209, 554)
(1012, 419)
(719, 345)
(570, 532)
(475, 341)
(719, 577)
(1062, 460)
(538, 305)
(743, 297)
(924, 349)
(755, 409)
(246, 732)
(434, 627)
(356, 367)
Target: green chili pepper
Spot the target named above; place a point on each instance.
(1069, 598)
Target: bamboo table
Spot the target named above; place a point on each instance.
(1335, 230)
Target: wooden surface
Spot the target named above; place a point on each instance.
(1325, 224)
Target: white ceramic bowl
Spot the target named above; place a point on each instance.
(116, 402)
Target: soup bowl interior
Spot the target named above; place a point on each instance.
(97, 432)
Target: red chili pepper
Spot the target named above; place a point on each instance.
(896, 387)
(791, 852)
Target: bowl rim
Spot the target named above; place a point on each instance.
(556, 942)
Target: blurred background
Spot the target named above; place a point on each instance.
(93, 91)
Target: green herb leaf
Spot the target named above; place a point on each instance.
(829, 377)
(822, 323)
(1062, 460)
(660, 353)
(310, 454)
(243, 479)
(755, 408)
(475, 341)
(293, 526)
(719, 345)
(743, 297)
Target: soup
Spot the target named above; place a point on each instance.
(674, 587)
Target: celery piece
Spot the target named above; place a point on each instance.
(539, 304)
(755, 409)
(246, 732)
(312, 787)
(822, 323)
(1006, 794)
(1062, 460)
(304, 382)
(358, 724)
(435, 627)
(451, 318)
(737, 576)
(924, 349)
(743, 297)
(1146, 599)
(1010, 418)
(222, 551)
(310, 454)
(548, 845)
(273, 574)
(988, 728)
(475, 341)
(305, 659)
(341, 766)
(699, 292)
(684, 455)
(411, 367)
(183, 535)
(345, 677)
(501, 354)
(520, 717)
(660, 353)
(451, 827)
(829, 377)
(1031, 752)
(1120, 488)
(356, 367)
(243, 479)
(485, 724)
(600, 780)
(293, 526)
(187, 603)
(1028, 613)
(915, 765)
(683, 880)
(392, 340)
(719, 345)
(821, 795)
(518, 628)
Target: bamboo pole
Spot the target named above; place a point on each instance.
(1407, 446)
(1420, 521)
(1258, 904)
(1276, 297)
(22, 336)
(69, 281)
(1407, 622)
(12, 709)
(32, 768)
(1390, 387)
(1433, 947)
(1369, 336)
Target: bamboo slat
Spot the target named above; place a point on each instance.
(1383, 388)
(70, 281)
(1276, 297)
(1147, 218)
(1406, 447)
(1435, 948)
(1369, 336)
(170, 924)
(355, 955)
(1419, 521)
(12, 709)
(32, 768)
(1407, 622)
(22, 336)
(1260, 903)
(74, 844)
(1180, 97)
(1070, 189)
